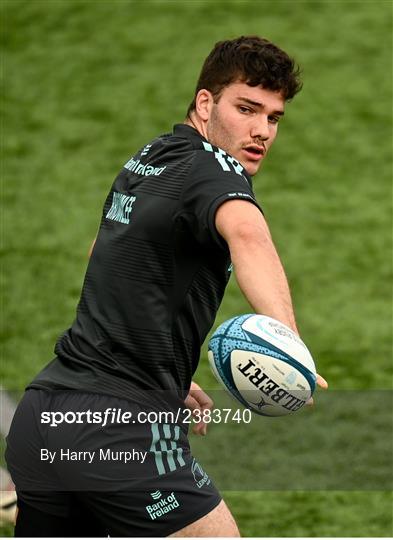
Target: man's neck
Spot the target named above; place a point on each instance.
(197, 124)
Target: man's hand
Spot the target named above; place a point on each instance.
(197, 400)
(320, 382)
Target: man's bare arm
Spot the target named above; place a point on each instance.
(257, 266)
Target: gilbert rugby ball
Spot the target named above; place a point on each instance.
(263, 364)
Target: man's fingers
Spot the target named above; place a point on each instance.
(322, 382)
(198, 401)
(194, 405)
(204, 401)
(200, 429)
(310, 402)
(191, 403)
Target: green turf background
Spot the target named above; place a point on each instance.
(86, 83)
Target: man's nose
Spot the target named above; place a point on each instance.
(260, 129)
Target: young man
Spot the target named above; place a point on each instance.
(179, 212)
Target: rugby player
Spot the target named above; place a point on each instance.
(179, 216)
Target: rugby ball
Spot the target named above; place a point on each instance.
(263, 364)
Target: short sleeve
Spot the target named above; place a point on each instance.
(214, 178)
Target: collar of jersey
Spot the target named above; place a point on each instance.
(188, 132)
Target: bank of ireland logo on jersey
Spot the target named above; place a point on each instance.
(161, 505)
(201, 478)
(121, 208)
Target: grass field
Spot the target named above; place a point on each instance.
(87, 83)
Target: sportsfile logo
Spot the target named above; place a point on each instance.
(162, 506)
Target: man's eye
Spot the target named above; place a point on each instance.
(274, 119)
(244, 110)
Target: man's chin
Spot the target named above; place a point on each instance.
(251, 168)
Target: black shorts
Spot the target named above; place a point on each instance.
(129, 479)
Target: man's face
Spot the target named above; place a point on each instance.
(244, 123)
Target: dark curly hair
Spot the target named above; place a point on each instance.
(250, 59)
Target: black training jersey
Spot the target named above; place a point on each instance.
(157, 273)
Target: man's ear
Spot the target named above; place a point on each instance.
(204, 104)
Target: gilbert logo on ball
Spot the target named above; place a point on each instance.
(263, 364)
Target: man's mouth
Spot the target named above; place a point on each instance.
(254, 151)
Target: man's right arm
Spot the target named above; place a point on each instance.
(257, 266)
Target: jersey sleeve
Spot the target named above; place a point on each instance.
(214, 178)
